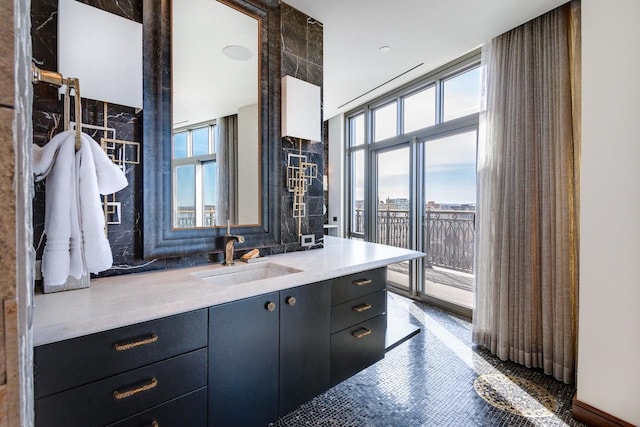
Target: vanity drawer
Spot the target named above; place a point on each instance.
(357, 347)
(357, 285)
(189, 410)
(118, 397)
(357, 310)
(66, 364)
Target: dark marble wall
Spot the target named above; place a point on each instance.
(301, 58)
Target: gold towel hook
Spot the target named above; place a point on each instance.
(56, 79)
(78, 110)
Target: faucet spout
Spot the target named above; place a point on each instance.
(229, 240)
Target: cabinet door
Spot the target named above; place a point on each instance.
(357, 347)
(305, 317)
(243, 362)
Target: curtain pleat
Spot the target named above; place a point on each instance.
(227, 164)
(526, 242)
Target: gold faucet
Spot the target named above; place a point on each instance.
(229, 239)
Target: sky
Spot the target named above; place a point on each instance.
(450, 170)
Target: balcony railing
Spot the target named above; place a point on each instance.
(449, 235)
(186, 218)
(450, 238)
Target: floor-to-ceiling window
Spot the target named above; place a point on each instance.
(411, 167)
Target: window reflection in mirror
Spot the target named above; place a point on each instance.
(194, 177)
(215, 106)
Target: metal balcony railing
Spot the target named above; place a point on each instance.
(449, 235)
(186, 218)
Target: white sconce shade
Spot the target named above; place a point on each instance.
(301, 109)
(102, 50)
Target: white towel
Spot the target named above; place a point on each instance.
(62, 256)
(97, 174)
(74, 219)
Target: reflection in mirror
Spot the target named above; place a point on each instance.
(215, 162)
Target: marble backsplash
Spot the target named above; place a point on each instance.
(301, 58)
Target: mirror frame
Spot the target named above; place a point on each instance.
(160, 240)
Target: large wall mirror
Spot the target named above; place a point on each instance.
(211, 143)
(215, 121)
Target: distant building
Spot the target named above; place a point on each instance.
(400, 204)
(433, 206)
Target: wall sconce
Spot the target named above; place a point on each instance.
(109, 62)
(301, 119)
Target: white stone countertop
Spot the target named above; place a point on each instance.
(112, 302)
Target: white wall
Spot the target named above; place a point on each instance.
(248, 163)
(336, 173)
(609, 322)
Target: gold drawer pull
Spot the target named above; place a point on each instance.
(362, 282)
(128, 346)
(154, 423)
(361, 333)
(128, 393)
(362, 307)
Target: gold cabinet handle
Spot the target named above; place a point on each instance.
(291, 301)
(362, 282)
(135, 390)
(362, 307)
(361, 333)
(154, 423)
(128, 346)
(270, 305)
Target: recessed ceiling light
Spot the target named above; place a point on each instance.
(385, 49)
(238, 53)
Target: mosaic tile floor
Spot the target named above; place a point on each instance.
(436, 379)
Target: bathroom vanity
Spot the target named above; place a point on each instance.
(211, 345)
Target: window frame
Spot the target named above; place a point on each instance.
(435, 78)
(197, 162)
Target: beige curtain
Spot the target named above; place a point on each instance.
(226, 139)
(526, 242)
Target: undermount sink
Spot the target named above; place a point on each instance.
(243, 273)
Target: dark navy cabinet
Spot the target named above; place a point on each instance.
(243, 363)
(304, 344)
(358, 322)
(107, 377)
(268, 355)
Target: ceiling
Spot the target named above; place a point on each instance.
(206, 83)
(427, 32)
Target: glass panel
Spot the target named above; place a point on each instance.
(392, 217)
(180, 145)
(450, 185)
(357, 192)
(419, 110)
(185, 196)
(210, 193)
(200, 141)
(356, 130)
(385, 121)
(462, 94)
